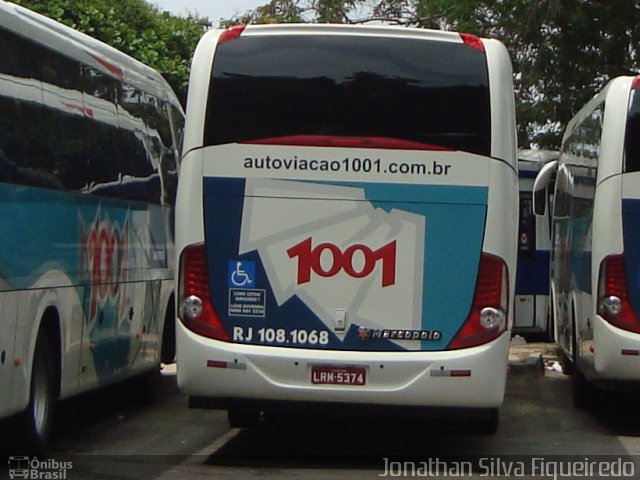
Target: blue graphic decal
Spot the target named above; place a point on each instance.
(631, 232)
(453, 219)
(100, 247)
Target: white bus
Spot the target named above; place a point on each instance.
(346, 221)
(596, 248)
(89, 144)
(531, 314)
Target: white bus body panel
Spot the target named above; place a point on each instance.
(609, 361)
(27, 298)
(600, 345)
(419, 378)
(409, 378)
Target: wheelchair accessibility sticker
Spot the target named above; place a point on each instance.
(244, 299)
(242, 274)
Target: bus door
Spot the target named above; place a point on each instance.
(527, 278)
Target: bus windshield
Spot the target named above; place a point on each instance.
(434, 93)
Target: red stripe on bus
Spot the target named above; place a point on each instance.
(348, 142)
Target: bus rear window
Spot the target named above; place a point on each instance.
(435, 93)
(632, 135)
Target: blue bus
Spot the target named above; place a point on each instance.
(532, 316)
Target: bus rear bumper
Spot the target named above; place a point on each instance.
(616, 352)
(218, 374)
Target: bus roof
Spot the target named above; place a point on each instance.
(345, 29)
(61, 38)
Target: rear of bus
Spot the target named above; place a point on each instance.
(347, 220)
(531, 304)
(614, 346)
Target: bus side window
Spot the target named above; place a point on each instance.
(527, 226)
(170, 157)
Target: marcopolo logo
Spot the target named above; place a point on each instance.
(357, 261)
(36, 469)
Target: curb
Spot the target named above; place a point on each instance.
(532, 366)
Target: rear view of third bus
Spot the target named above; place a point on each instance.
(596, 245)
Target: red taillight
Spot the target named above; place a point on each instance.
(636, 83)
(231, 33)
(193, 289)
(472, 41)
(488, 317)
(613, 296)
(347, 142)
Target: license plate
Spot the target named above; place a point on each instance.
(330, 375)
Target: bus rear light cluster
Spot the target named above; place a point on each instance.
(231, 33)
(491, 318)
(192, 307)
(488, 317)
(195, 308)
(472, 41)
(614, 304)
(611, 305)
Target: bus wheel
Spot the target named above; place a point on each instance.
(37, 419)
(568, 363)
(565, 363)
(584, 393)
(144, 388)
(168, 349)
(550, 330)
(243, 417)
(488, 421)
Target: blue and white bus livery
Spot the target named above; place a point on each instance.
(89, 143)
(346, 221)
(596, 249)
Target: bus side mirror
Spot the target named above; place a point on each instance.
(540, 186)
(540, 201)
(564, 188)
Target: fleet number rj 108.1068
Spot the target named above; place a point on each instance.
(281, 336)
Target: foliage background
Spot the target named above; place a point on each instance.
(563, 51)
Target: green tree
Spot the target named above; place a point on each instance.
(163, 41)
(563, 51)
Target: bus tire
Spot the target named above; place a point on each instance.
(487, 422)
(568, 363)
(584, 393)
(145, 387)
(550, 330)
(168, 348)
(37, 419)
(565, 362)
(243, 417)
